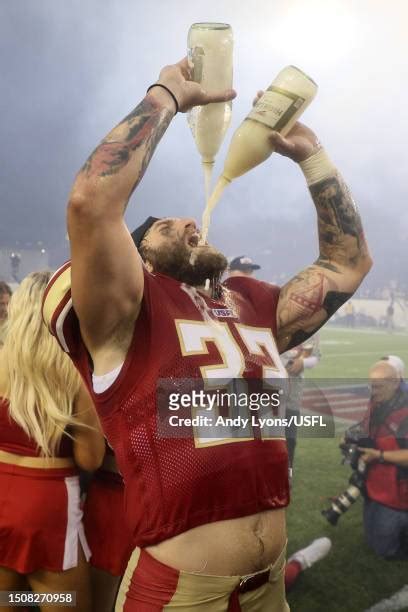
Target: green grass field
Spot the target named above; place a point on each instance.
(350, 353)
(351, 578)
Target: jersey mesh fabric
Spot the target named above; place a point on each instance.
(170, 484)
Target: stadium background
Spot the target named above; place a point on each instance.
(70, 70)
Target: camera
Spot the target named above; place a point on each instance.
(354, 438)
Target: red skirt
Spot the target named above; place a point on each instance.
(40, 519)
(105, 527)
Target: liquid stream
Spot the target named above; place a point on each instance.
(211, 204)
(208, 171)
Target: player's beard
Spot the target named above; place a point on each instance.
(190, 266)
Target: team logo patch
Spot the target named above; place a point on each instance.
(222, 313)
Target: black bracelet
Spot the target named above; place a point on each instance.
(168, 91)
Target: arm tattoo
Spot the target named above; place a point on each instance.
(305, 304)
(341, 237)
(139, 132)
(313, 296)
(332, 302)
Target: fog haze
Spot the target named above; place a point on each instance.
(71, 70)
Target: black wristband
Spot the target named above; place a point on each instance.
(381, 459)
(168, 91)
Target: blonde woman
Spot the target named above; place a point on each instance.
(48, 428)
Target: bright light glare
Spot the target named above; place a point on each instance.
(320, 31)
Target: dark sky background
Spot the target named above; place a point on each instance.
(70, 70)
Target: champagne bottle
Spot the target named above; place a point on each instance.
(210, 47)
(278, 109)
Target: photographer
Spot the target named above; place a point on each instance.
(386, 503)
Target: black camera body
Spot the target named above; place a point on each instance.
(350, 453)
(354, 438)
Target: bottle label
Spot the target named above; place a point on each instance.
(276, 107)
(196, 58)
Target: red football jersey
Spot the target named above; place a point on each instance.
(173, 484)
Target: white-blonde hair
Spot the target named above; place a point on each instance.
(40, 381)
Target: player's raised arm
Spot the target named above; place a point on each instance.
(309, 299)
(107, 277)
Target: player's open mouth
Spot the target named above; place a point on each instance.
(194, 240)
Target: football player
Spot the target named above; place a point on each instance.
(207, 515)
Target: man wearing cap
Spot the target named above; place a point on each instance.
(399, 366)
(242, 266)
(207, 515)
(386, 426)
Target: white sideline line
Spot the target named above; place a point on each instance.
(398, 601)
(335, 403)
(340, 412)
(342, 391)
(351, 410)
(370, 331)
(337, 389)
(336, 355)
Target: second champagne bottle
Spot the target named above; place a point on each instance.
(278, 109)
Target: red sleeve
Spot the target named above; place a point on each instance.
(58, 312)
(402, 432)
